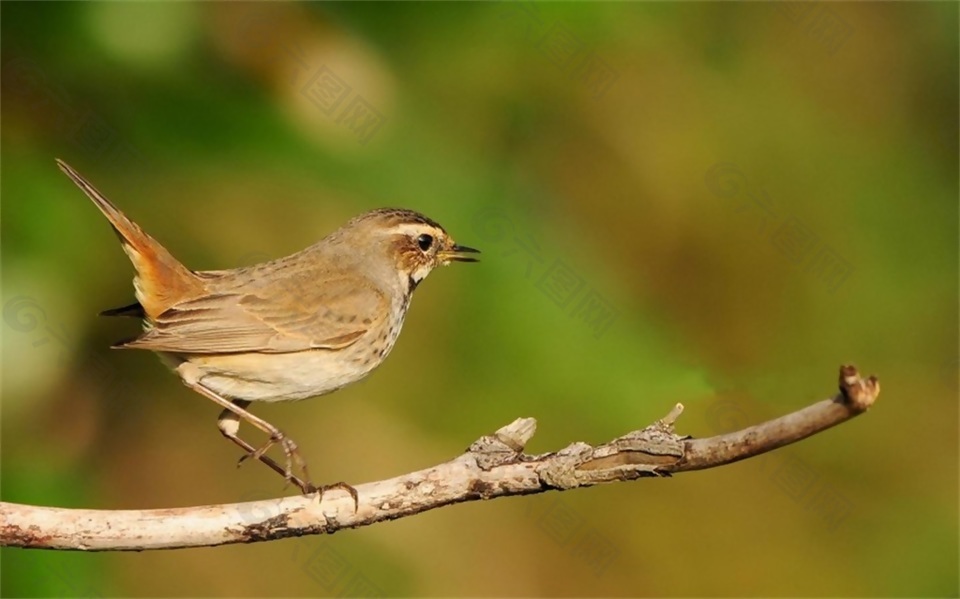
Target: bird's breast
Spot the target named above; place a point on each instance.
(297, 375)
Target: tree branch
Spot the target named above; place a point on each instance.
(493, 466)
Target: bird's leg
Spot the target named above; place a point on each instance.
(276, 435)
(229, 423)
(290, 450)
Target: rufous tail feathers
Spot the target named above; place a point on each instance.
(161, 280)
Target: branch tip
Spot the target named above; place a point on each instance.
(858, 393)
(504, 446)
(518, 433)
(672, 416)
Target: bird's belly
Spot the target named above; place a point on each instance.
(281, 377)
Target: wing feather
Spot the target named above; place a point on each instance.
(287, 315)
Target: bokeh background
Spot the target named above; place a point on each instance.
(716, 204)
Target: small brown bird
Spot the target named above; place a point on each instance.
(296, 327)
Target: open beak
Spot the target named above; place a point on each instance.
(459, 253)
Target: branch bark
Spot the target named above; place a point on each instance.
(493, 466)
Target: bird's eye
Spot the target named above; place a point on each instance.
(425, 242)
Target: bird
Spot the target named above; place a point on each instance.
(300, 326)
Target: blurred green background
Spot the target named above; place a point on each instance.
(716, 204)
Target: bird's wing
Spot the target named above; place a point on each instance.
(282, 315)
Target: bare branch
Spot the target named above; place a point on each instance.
(493, 466)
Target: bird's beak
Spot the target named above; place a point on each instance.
(459, 253)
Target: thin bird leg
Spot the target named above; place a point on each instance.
(291, 451)
(276, 435)
(229, 423)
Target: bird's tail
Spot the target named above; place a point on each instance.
(161, 280)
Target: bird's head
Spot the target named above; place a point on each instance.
(413, 243)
